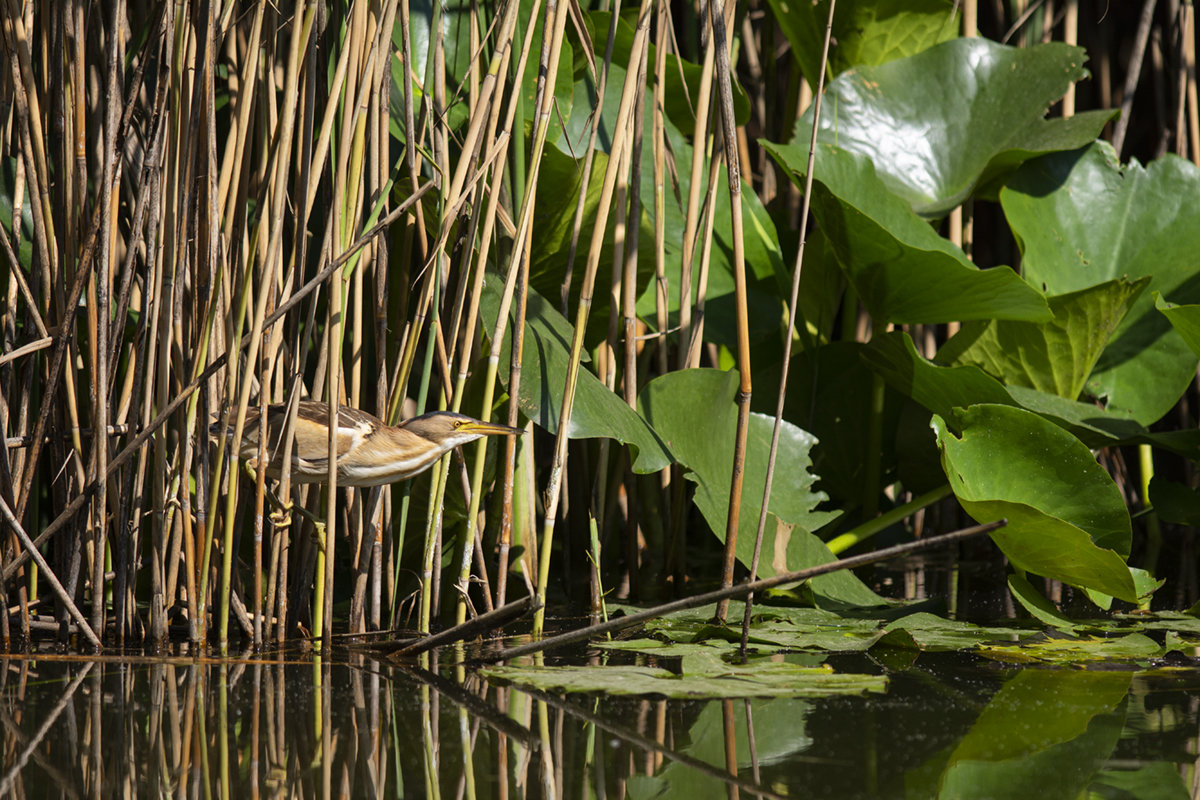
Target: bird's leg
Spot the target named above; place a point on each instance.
(281, 517)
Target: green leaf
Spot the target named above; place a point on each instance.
(706, 678)
(682, 80)
(1056, 356)
(598, 412)
(1145, 583)
(1082, 219)
(955, 117)
(1174, 502)
(837, 589)
(1036, 603)
(829, 394)
(1158, 780)
(867, 32)
(694, 413)
(1060, 649)
(903, 271)
(941, 389)
(792, 629)
(1184, 319)
(1044, 734)
(1066, 519)
(929, 632)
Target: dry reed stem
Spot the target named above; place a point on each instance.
(793, 300)
(721, 46)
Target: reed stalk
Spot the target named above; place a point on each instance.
(553, 490)
(733, 176)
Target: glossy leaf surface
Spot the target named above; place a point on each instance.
(1055, 357)
(867, 32)
(694, 413)
(1066, 518)
(1083, 219)
(946, 121)
(903, 271)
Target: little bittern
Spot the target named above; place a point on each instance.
(369, 451)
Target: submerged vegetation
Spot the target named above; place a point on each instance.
(588, 221)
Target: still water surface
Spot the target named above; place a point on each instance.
(353, 726)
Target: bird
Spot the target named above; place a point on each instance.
(369, 451)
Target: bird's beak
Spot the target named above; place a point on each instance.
(489, 429)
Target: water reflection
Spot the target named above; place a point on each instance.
(356, 727)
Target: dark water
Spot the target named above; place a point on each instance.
(352, 726)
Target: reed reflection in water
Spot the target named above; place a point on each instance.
(352, 726)
(305, 728)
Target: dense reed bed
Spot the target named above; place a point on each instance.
(211, 206)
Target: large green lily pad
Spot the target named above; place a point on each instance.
(946, 121)
(1082, 219)
(1133, 647)
(1055, 356)
(903, 271)
(694, 413)
(866, 32)
(1066, 518)
(598, 412)
(709, 677)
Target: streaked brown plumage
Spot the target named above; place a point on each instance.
(370, 452)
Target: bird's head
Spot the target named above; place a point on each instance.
(449, 430)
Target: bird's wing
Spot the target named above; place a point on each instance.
(312, 432)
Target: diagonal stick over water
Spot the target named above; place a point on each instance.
(743, 589)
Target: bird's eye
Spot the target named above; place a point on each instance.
(458, 423)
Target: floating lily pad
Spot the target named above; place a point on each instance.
(929, 632)
(793, 629)
(1134, 647)
(709, 678)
